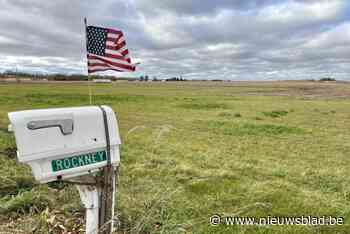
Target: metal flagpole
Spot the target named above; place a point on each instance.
(107, 192)
(108, 188)
(86, 42)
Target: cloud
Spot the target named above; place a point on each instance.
(199, 7)
(224, 39)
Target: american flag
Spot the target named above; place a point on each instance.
(106, 50)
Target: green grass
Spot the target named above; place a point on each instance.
(25, 202)
(241, 129)
(192, 150)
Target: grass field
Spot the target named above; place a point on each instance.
(191, 150)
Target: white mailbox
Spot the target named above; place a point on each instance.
(66, 142)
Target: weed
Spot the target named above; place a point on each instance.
(224, 114)
(275, 114)
(203, 106)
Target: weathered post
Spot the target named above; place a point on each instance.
(108, 200)
(108, 188)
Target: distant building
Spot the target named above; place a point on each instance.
(102, 81)
(25, 79)
(8, 79)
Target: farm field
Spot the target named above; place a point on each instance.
(194, 149)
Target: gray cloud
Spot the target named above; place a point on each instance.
(266, 39)
(198, 7)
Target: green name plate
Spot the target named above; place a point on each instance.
(78, 161)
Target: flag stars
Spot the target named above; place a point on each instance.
(96, 40)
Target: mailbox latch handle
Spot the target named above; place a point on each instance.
(65, 125)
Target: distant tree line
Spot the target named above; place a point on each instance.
(327, 79)
(55, 77)
(144, 78)
(175, 79)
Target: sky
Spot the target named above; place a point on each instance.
(198, 39)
